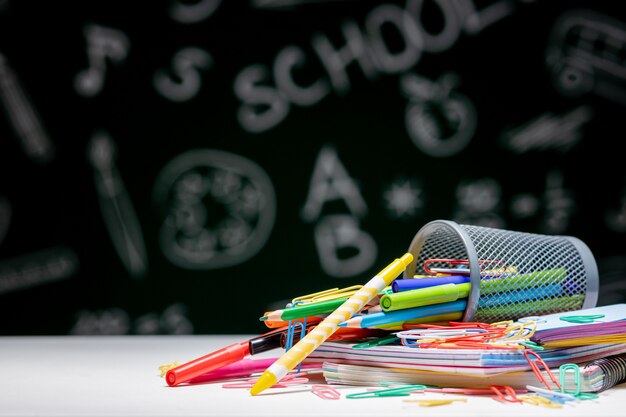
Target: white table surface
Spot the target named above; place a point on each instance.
(119, 376)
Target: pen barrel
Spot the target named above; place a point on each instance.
(424, 296)
(329, 325)
(408, 284)
(412, 313)
(306, 310)
(207, 363)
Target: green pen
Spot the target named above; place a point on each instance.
(424, 296)
(376, 342)
(304, 310)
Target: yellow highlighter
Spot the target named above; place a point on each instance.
(327, 327)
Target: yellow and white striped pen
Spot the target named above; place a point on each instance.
(327, 327)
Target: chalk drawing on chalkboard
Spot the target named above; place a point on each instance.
(277, 4)
(548, 131)
(555, 206)
(615, 217)
(116, 206)
(404, 198)
(37, 268)
(5, 217)
(103, 43)
(117, 321)
(23, 117)
(338, 234)
(183, 82)
(193, 12)
(218, 208)
(331, 182)
(440, 121)
(559, 204)
(585, 53)
(478, 202)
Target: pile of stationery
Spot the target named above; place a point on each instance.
(405, 335)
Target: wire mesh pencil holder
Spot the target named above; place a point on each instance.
(512, 274)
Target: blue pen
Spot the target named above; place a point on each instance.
(408, 284)
(382, 318)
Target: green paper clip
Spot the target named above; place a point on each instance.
(377, 342)
(403, 391)
(582, 319)
(532, 345)
(578, 394)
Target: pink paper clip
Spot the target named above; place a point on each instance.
(326, 392)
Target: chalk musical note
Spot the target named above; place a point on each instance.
(102, 43)
(185, 81)
(116, 207)
(23, 118)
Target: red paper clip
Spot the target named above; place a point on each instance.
(504, 393)
(457, 262)
(535, 368)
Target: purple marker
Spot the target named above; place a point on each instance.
(407, 284)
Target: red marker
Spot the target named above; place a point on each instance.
(225, 356)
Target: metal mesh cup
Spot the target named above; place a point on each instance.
(512, 274)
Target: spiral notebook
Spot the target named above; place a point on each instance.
(455, 361)
(595, 376)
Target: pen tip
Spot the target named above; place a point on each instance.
(266, 380)
(264, 318)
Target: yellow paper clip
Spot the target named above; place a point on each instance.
(539, 400)
(331, 294)
(436, 402)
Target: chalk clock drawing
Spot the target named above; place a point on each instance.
(440, 121)
(219, 209)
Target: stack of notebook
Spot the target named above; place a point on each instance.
(577, 338)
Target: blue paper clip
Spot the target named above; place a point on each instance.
(290, 332)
